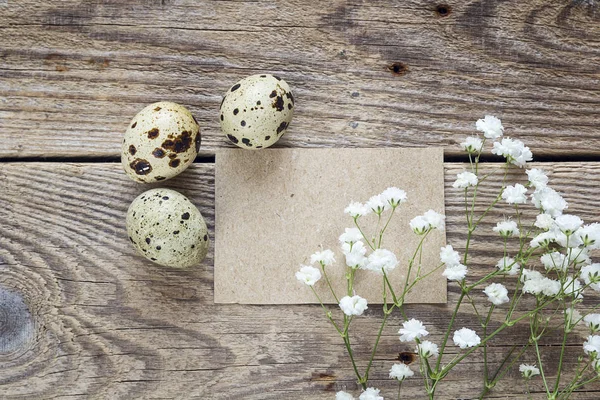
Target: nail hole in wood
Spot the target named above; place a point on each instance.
(443, 10)
(398, 68)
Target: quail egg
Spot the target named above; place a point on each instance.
(161, 141)
(166, 228)
(256, 111)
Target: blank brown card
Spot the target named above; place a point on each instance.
(276, 207)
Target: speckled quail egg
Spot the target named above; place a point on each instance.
(161, 141)
(256, 111)
(165, 227)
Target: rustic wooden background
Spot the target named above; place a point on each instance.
(82, 316)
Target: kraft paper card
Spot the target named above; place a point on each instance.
(276, 207)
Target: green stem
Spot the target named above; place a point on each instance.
(329, 283)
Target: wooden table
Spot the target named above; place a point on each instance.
(82, 316)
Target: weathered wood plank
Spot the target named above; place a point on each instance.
(102, 322)
(365, 74)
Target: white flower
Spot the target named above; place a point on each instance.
(570, 240)
(508, 265)
(515, 194)
(593, 322)
(370, 394)
(506, 228)
(541, 286)
(530, 274)
(449, 256)
(466, 337)
(455, 272)
(490, 126)
(572, 287)
(382, 259)
(550, 201)
(325, 257)
(378, 204)
(590, 235)
(401, 372)
(543, 239)
(394, 196)
(411, 330)
(356, 209)
(497, 293)
(537, 178)
(529, 371)
(544, 221)
(354, 305)
(472, 144)
(592, 345)
(577, 256)
(355, 254)
(464, 180)
(435, 219)
(568, 223)
(427, 349)
(514, 151)
(343, 396)
(308, 275)
(591, 276)
(554, 261)
(351, 235)
(419, 225)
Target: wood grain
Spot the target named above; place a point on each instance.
(365, 74)
(84, 317)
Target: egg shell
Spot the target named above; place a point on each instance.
(161, 141)
(166, 228)
(256, 111)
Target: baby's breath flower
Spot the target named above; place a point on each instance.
(572, 287)
(370, 394)
(514, 151)
(554, 261)
(449, 256)
(341, 395)
(490, 126)
(419, 225)
(529, 371)
(515, 194)
(356, 209)
(544, 221)
(464, 180)
(308, 275)
(593, 322)
(354, 305)
(550, 201)
(592, 345)
(427, 349)
(541, 287)
(325, 257)
(578, 256)
(472, 144)
(530, 274)
(568, 223)
(543, 239)
(507, 228)
(351, 235)
(508, 265)
(537, 178)
(411, 330)
(378, 204)
(590, 235)
(394, 196)
(401, 372)
(355, 254)
(456, 272)
(497, 293)
(466, 337)
(591, 276)
(381, 260)
(435, 219)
